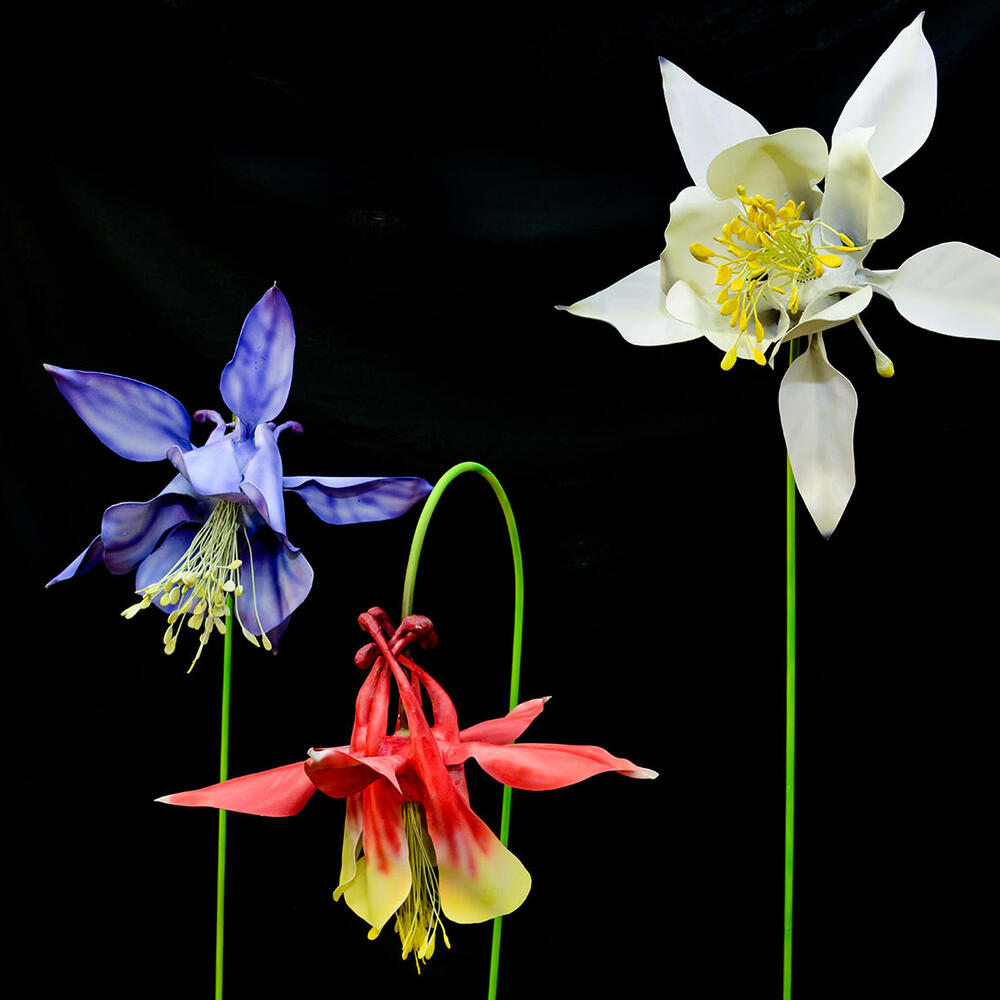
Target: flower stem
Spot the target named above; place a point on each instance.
(515, 664)
(220, 898)
(786, 977)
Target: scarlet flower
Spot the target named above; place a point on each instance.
(413, 847)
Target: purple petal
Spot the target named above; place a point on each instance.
(255, 383)
(136, 420)
(87, 559)
(262, 481)
(212, 470)
(131, 531)
(275, 634)
(278, 584)
(156, 566)
(349, 500)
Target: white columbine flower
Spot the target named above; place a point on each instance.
(757, 255)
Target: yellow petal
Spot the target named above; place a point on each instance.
(499, 886)
(383, 878)
(351, 845)
(479, 879)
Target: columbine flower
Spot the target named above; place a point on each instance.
(413, 847)
(218, 528)
(756, 255)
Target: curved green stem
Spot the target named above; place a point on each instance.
(220, 886)
(515, 664)
(786, 977)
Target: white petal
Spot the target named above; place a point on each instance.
(898, 98)
(704, 123)
(781, 166)
(818, 407)
(822, 314)
(950, 288)
(696, 216)
(857, 201)
(688, 307)
(635, 307)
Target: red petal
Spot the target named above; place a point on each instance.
(479, 878)
(445, 716)
(370, 711)
(379, 715)
(282, 791)
(539, 766)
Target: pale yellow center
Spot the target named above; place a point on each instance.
(766, 249)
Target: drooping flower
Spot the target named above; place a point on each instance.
(756, 255)
(218, 527)
(413, 848)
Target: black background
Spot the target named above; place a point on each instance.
(425, 186)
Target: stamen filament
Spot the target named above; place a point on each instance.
(199, 582)
(419, 917)
(775, 254)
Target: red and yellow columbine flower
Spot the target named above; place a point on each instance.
(413, 848)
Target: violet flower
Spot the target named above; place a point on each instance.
(218, 527)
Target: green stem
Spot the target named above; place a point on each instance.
(786, 977)
(220, 898)
(515, 664)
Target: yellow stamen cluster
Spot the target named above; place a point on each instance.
(766, 249)
(200, 582)
(419, 918)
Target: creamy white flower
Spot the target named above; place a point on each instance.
(757, 254)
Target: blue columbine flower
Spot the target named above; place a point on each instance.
(218, 528)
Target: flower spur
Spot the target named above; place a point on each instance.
(413, 848)
(218, 527)
(756, 255)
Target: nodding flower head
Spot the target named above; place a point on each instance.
(413, 849)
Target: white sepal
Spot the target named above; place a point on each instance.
(951, 288)
(635, 307)
(704, 123)
(898, 98)
(818, 407)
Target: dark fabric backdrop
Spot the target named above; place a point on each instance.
(425, 186)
